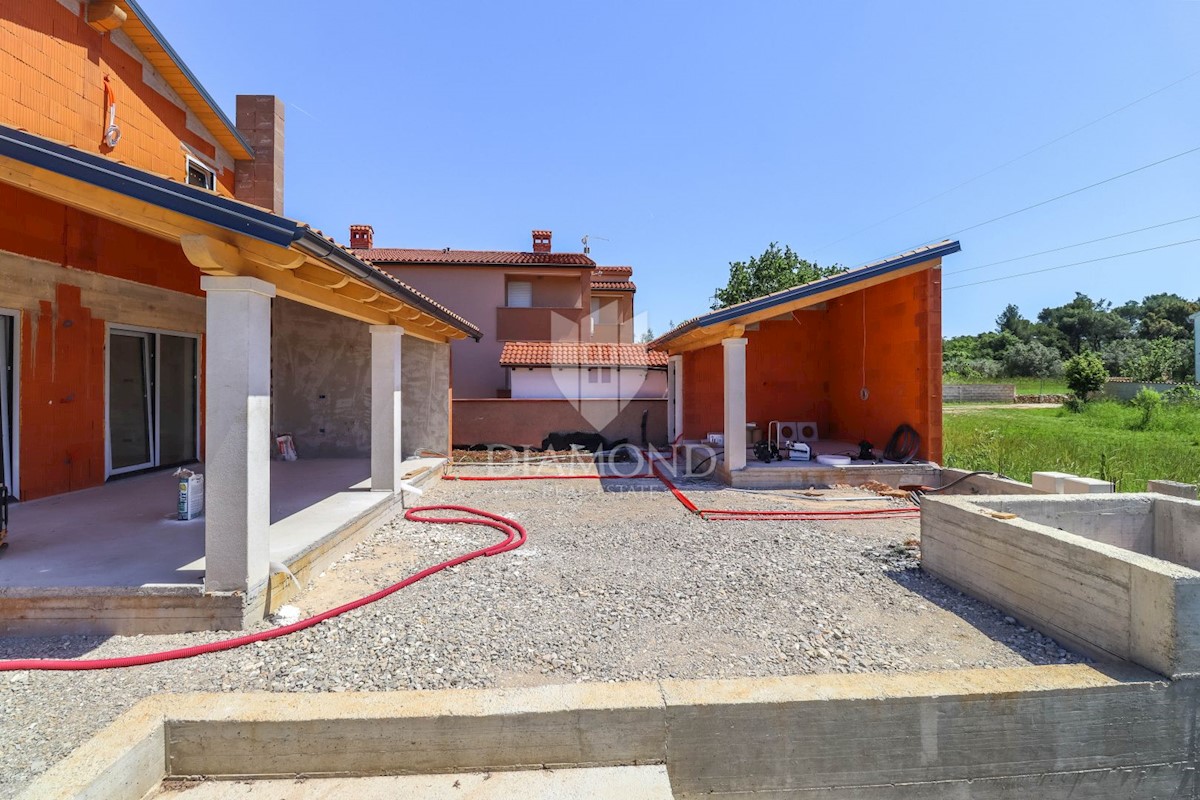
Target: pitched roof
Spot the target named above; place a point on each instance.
(162, 56)
(579, 354)
(210, 207)
(843, 283)
(613, 279)
(486, 258)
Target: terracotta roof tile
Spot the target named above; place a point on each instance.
(614, 286)
(582, 354)
(400, 255)
(612, 273)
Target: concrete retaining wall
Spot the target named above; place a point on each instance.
(1096, 588)
(1046, 732)
(527, 422)
(979, 393)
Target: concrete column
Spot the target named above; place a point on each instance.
(675, 382)
(386, 450)
(237, 432)
(735, 403)
(1195, 318)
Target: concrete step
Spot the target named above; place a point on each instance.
(585, 783)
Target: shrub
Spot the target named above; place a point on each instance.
(1085, 374)
(1165, 360)
(1183, 395)
(1032, 360)
(1148, 402)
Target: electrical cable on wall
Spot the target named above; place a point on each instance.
(112, 132)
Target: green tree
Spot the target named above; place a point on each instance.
(1160, 316)
(1032, 360)
(1165, 359)
(1087, 324)
(1085, 374)
(1011, 321)
(773, 271)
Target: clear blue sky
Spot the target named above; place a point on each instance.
(688, 135)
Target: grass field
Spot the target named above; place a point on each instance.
(1025, 385)
(1103, 441)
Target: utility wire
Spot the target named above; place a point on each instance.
(1070, 246)
(1074, 192)
(1011, 161)
(1073, 264)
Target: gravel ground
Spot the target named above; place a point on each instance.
(617, 582)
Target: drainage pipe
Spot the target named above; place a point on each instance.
(515, 536)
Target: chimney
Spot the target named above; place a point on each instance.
(541, 241)
(362, 237)
(260, 181)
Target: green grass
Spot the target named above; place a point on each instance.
(1103, 441)
(1024, 385)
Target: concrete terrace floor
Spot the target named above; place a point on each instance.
(125, 533)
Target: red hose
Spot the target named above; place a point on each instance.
(835, 513)
(544, 477)
(515, 536)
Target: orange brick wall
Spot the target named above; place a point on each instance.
(52, 69)
(62, 342)
(811, 368)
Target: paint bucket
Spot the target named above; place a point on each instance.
(191, 494)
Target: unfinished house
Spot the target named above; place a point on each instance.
(824, 376)
(156, 310)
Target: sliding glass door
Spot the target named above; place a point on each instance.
(152, 400)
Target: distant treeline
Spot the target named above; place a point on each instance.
(1149, 340)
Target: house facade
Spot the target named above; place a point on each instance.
(156, 307)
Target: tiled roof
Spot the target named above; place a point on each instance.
(614, 286)
(583, 354)
(400, 255)
(612, 273)
(613, 279)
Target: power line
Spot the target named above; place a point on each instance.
(1011, 161)
(1070, 246)
(1073, 264)
(1074, 192)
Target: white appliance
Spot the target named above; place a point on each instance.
(799, 451)
(782, 432)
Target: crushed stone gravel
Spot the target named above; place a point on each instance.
(617, 582)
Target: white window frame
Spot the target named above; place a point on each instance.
(14, 472)
(153, 333)
(212, 173)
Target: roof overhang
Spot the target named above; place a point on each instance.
(222, 236)
(158, 51)
(731, 322)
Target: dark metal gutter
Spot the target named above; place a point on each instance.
(809, 289)
(210, 207)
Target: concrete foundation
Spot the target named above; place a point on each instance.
(1114, 576)
(1046, 732)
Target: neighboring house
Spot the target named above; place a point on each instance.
(157, 309)
(858, 354)
(594, 371)
(534, 296)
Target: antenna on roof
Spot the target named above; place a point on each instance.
(585, 239)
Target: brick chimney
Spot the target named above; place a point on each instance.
(541, 241)
(260, 181)
(362, 237)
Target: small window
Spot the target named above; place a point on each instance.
(520, 294)
(200, 175)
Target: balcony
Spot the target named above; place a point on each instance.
(538, 324)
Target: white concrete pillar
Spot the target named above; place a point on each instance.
(386, 452)
(677, 409)
(1196, 334)
(735, 403)
(237, 432)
